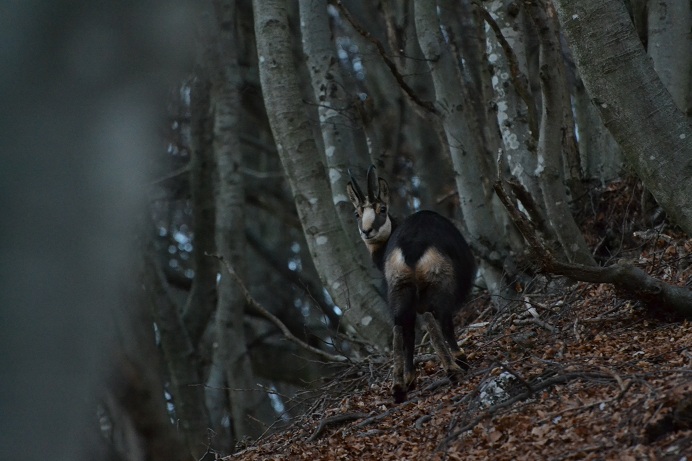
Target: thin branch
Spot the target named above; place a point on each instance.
(273, 319)
(427, 105)
(535, 321)
(178, 172)
(334, 420)
(633, 281)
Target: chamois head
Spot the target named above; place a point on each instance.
(374, 223)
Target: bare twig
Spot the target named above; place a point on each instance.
(333, 421)
(427, 105)
(383, 415)
(422, 420)
(620, 395)
(180, 171)
(273, 319)
(535, 321)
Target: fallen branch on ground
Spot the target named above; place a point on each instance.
(631, 280)
(333, 421)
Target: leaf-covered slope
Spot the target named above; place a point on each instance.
(570, 372)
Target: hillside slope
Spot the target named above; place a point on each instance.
(572, 371)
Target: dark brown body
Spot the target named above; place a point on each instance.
(428, 270)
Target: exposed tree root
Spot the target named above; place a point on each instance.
(632, 281)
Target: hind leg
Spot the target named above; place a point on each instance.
(438, 342)
(442, 305)
(446, 321)
(404, 377)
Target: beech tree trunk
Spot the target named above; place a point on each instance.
(248, 404)
(335, 110)
(333, 254)
(655, 136)
(552, 145)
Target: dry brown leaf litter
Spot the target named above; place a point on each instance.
(597, 378)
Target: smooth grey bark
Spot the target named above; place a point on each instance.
(552, 144)
(247, 404)
(601, 157)
(467, 40)
(408, 132)
(655, 136)
(335, 110)
(364, 309)
(670, 47)
(517, 115)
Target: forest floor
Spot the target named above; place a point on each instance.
(570, 371)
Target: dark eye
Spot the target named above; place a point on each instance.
(383, 210)
(356, 214)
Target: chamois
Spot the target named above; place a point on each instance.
(428, 270)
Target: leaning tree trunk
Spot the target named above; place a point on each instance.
(364, 308)
(337, 118)
(655, 136)
(551, 140)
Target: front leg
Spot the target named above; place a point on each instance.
(404, 379)
(399, 386)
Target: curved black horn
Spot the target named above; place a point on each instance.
(356, 187)
(373, 185)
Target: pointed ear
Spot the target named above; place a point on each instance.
(352, 195)
(373, 186)
(384, 191)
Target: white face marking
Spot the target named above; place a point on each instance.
(368, 233)
(368, 219)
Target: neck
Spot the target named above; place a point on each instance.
(378, 249)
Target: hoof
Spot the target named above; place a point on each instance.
(399, 394)
(461, 360)
(455, 375)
